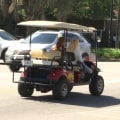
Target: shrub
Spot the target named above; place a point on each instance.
(108, 53)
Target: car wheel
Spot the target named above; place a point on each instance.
(3, 56)
(61, 89)
(25, 90)
(96, 86)
(14, 67)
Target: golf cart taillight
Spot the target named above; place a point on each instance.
(53, 47)
(53, 74)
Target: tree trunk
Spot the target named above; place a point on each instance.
(118, 30)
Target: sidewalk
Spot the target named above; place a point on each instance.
(108, 60)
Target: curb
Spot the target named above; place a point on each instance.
(108, 60)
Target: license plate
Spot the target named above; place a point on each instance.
(27, 62)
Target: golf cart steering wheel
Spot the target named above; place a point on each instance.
(69, 65)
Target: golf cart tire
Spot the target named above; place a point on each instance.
(25, 90)
(61, 89)
(70, 87)
(96, 87)
(3, 55)
(14, 68)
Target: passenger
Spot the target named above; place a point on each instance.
(61, 44)
(75, 48)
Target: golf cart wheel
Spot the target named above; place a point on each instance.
(96, 87)
(61, 89)
(3, 55)
(25, 90)
(14, 68)
(70, 87)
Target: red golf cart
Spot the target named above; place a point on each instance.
(44, 72)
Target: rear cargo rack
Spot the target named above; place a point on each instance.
(40, 66)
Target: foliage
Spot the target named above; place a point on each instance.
(35, 9)
(93, 9)
(108, 53)
(14, 11)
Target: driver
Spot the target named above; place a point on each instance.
(87, 61)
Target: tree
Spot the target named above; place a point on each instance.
(117, 42)
(34, 9)
(7, 9)
(19, 10)
(4, 6)
(64, 8)
(93, 9)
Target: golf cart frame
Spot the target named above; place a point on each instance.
(45, 74)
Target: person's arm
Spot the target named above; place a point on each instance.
(79, 54)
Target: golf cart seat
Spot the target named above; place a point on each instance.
(41, 57)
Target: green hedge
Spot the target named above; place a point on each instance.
(108, 53)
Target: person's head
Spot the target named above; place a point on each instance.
(85, 56)
(60, 43)
(74, 43)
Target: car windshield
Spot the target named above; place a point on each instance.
(42, 38)
(6, 36)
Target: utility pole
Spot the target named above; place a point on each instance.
(111, 20)
(118, 29)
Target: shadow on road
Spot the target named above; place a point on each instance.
(80, 99)
(2, 63)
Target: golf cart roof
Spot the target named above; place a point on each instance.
(56, 25)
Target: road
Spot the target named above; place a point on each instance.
(80, 105)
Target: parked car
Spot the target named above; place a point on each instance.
(6, 39)
(41, 40)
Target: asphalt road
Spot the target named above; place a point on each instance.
(80, 105)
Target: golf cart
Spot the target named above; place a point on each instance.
(54, 70)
